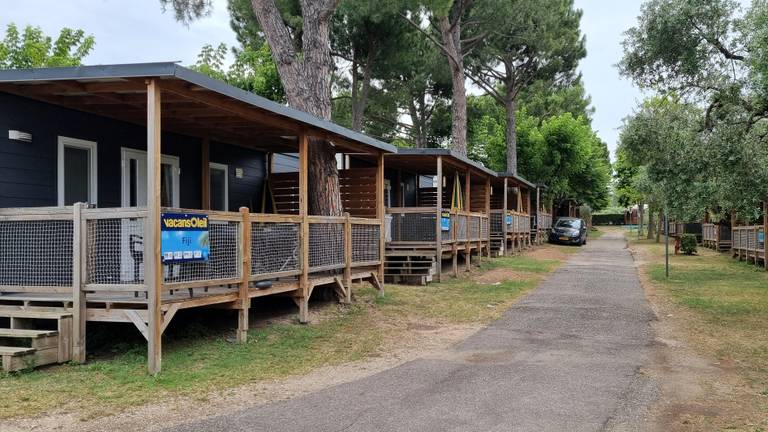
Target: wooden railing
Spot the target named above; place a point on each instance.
(77, 249)
(545, 221)
(748, 242)
(418, 225)
(709, 232)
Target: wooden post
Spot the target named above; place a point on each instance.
(244, 300)
(303, 297)
(454, 243)
(153, 267)
(79, 264)
(468, 207)
(538, 216)
(504, 218)
(439, 210)
(765, 235)
(348, 259)
(488, 216)
(381, 216)
(206, 174)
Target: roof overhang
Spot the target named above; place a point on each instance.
(192, 104)
(424, 162)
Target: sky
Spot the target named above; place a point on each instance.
(138, 31)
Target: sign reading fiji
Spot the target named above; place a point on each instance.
(184, 237)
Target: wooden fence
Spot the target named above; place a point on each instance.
(749, 243)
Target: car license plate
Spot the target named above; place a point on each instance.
(564, 238)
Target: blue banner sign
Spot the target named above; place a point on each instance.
(445, 221)
(184, 237)
(509, 219)
(760, 237)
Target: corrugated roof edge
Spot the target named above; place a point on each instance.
(170, 69)
(446, 152)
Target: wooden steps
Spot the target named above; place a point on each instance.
(409, 269)
(34, 337)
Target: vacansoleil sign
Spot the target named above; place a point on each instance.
(185, 237)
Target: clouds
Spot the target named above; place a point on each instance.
(126, 31)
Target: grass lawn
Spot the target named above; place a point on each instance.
(725, 305)
(203, 360)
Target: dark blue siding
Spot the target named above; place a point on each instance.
(28, 171)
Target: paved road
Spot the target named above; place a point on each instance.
(564, 358)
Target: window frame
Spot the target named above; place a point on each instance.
(93, 168)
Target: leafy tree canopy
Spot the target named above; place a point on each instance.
(32, 48)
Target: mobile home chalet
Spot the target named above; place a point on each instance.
(130, 192)
(511, 224)
(437, 208)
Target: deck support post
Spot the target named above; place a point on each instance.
(438, 219)
(302, 299)
(504, 217)
(381, 216)
(153, 269)
(78, 273)
(347, 285)
(765, 234)
(467, 207)
(244, 300)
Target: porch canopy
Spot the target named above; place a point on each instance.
(192, 104)
(165, 97)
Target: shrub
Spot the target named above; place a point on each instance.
(688, 244)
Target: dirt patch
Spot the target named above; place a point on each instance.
(500, 275)
(547, 252)
(427, 340)
(697, 393)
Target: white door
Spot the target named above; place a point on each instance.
(134, 179)
(77, 171)
(134, 194)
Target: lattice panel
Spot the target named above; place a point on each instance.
(474, 228)
(36, 253)
(115, 251)
(223, 261)
(497, 223)
(274, 247)
(326, 245)
(484, 223)
(413, 227)
(461, 227)
(365, 243)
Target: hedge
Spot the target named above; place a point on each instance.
(608, 219)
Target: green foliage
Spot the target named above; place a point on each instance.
(688, 244)
(253, 69)
(32, 48)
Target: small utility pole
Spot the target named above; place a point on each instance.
(666, 241)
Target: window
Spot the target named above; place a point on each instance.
(219, 186)
(134, 179)
(77, 171)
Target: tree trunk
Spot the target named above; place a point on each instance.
(417, 125)
(651, 226)
(511, 106)
(451, 40)
(307, 82)
(361, 95)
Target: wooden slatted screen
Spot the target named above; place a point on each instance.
(358, 191)
(477, 198)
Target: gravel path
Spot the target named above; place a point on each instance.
(567, 357)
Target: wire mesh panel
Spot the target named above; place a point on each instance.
(274, 247)
(36, 253)
(474, 227)
(419, 227)
(760, 239)
(497, 223)
(484, 225)
(326, 245)
(115, 251)
(223, 260)
(461, 227)
(365, 242)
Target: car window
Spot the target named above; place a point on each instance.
(568, 223)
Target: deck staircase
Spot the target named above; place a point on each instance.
(409, 269)
(34, 336)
